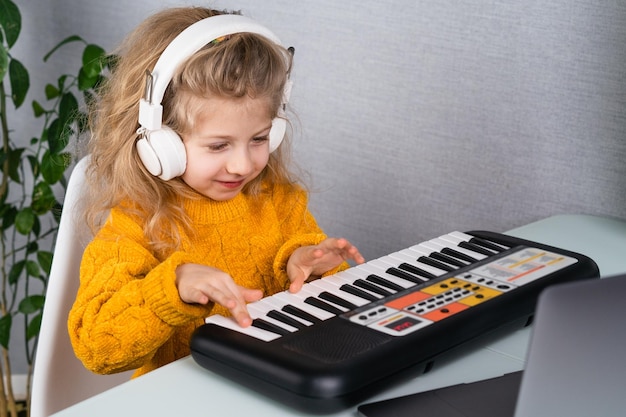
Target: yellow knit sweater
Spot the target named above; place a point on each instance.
(128, 314)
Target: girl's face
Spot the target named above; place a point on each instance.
(228, 146)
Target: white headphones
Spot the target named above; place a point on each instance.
(160, 149)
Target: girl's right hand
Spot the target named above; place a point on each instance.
(201, 284)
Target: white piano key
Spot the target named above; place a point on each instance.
(372, 267)
(343, 277)
(376, 267)
(430, 246)
(418, 250)
(230, 323)
(306, 291)
(460, 235)
(276, 302)
(259, 309)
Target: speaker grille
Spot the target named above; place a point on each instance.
(331, 344)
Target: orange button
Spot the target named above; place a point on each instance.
(445, 311)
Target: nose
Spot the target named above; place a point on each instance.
(240, 162)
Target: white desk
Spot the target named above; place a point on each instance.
(184, 388)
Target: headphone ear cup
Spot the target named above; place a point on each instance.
(277, 132)
(163, 153)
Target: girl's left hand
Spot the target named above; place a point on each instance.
(313, 261)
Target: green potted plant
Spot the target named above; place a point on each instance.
(32, 168)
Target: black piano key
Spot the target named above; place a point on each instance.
(371, 287)
(448, 259)
(487, 244)
(358, 292)
(265, 325)
(396, 272)
(316, 302)
(459, 255)
(293, 310)
(476, 248)
(328, 296)
(425, 275)
(384, 282)
(435, 263)
(277, 315)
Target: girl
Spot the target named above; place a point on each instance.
(175, 244)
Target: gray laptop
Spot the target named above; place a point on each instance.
(576, 364)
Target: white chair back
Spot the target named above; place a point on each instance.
(59, 378)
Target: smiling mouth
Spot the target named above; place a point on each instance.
(231, 184)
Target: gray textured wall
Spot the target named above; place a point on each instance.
(416, 118)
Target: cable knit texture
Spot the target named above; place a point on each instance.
(128, 314)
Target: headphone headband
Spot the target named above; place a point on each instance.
(188, 42)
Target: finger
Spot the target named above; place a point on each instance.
(251, 295)
(311, 255)
(296, 284)
(349, 251)
(241, 316)
(355, 255)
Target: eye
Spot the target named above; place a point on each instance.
(216, 147)
(260, 139)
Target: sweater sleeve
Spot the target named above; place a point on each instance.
(127, 304)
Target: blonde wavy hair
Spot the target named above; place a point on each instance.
(243, 65)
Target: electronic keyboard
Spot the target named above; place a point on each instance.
(344, 337)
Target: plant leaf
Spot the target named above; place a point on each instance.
(51, 91)
(8, 217)
(58, 136)
(45, 260)
(38, 110)
(43, 198)
(15, 159)
(32, 268)
(68, 107)
(34, 165)
(5, 330)
(4, 61)
(53, 166)
(10, 20)
(16, 271)
(31, 304)
(94, 59)
(33, 327)
(37, 226)
(32, 247)
(25, 220)
(86, 82)
(20, 82)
